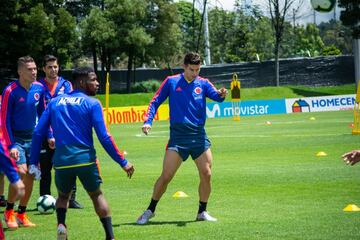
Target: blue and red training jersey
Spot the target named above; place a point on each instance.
(187, 100)
(72, 117)
(20, 110)
(62, 86)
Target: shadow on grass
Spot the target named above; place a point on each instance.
(152, 223)
(308, 92)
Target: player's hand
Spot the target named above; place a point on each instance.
(146, 128)
(51, 142)
(34, 170)
(14, 153)
(351, 158)
(129, 169)
(222, 92)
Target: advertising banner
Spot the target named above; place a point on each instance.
(320, 104)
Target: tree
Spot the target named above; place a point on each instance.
(163, 26)
(278, 12)
(351, 17)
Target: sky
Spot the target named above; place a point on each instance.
(306, 13)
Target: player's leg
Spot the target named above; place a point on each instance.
(64, 181)
(73, 203)
(171, 164)
(203, 164)
(90, 178)
(103, 211)
(28, 182)
(45, 167)
(2, 190)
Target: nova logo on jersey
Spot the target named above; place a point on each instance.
(70, 101)
(61, 90)
(36, 96)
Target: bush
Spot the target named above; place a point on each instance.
(145, 86)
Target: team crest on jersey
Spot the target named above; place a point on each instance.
(36, 96)
(197, 90)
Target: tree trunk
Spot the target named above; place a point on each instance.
(95, 63)
(129, 68)
(277, 77)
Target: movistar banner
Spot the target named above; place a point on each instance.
(247, 108)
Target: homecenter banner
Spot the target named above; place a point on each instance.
(320, 104)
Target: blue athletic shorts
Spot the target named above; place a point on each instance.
(24, 148)
(188, 139)
(194, 150)
(89, 177)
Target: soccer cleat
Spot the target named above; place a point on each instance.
(23, 220)
(204, 216)
(74, 204)
(10, 220)
(61, 232)
(145, 217)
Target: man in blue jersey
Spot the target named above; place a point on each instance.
(187, 94)
(54, 86)
(22, 103)
(72, 117)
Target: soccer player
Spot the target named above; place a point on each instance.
(22, 103)
(54, 86)
(8, 166)
(187, 94)
(352, 157)
(72, 117)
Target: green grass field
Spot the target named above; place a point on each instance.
(267, 184)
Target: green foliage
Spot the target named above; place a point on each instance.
(331, 50)
(350, 15)
(149, 86)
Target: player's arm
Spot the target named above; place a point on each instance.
(160, 96)
(211, 92)
(39, 134)
(107, 140)
(7, 103)
(352, 157)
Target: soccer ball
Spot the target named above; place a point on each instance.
(46, 204)
(323, 5)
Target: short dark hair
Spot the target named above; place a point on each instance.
(24, 60)
(49, 58)
(192, 58)
(81, 73)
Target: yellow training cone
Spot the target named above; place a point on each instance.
(180, 194)
(351, 208)
(321, 154)
(312, 118)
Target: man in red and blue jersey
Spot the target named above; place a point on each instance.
(187, 94)
(8, 167)
(22, 104)
(54, 85)
(72, 117)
